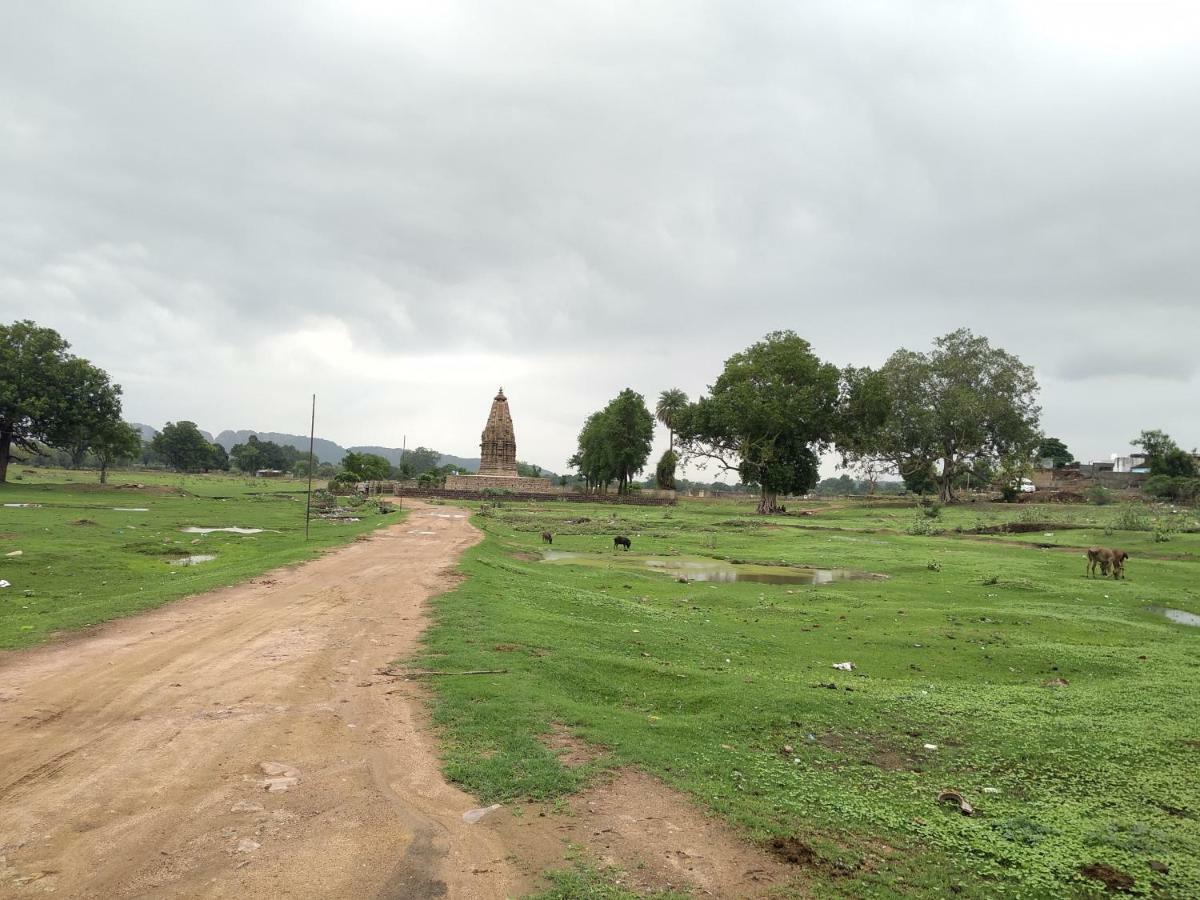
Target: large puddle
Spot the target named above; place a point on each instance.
(1178, 616)
(700, 568)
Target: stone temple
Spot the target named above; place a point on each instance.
(498, 457)
(498, 447)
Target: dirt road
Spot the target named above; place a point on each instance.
(130, 759)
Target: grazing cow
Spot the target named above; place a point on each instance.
(1118, 563)
(1097, 557)
(547, 537)
(621, 541)
(1106, 559)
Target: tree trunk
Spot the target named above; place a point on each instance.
(103, 472)
(768, 502)
(5, 450)
(946, 482)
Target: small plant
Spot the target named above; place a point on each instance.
(1100, 495)
(1131, 518)
(992, 579)
(933, 566)
(931, 510)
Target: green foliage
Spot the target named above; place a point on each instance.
(414, 462)
(256, 454)
(114, 442)
(527, 470)
(1054, 449)
(183, 447)
(931, 510)
(1099, 495)
(48, 395)
(1132, 518)
(1177, 487)
(664, 472)
(961, 404)
(366, 466)
(1164, 456)
(771, 411)
(615, 442)
(670, 404)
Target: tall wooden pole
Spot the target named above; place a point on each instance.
(312, 430)
(403, 450)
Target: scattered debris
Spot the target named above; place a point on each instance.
(1056, 683)
(991, 790)
(423, 673)
(930, 746)
(4, 584)
(845, 666)
(243, 806)
(471, 816)
(15, 553)
(245, 845)
(955, 797)
(280, 777)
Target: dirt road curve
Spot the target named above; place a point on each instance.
(130, 759)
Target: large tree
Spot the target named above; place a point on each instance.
(614, 443)
(89, 410)
(366, 466)
(772, 410)
(51, 396)
(1164, 456)
(963, 404)
(1056, 451)
(183, 447)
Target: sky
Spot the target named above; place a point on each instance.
(401, 207)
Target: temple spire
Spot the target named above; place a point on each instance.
(498, 446)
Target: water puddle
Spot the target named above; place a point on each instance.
(193, 560)
(699, 568)
(233, 529)
(1178, 616)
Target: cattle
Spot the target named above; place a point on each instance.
(547, 537)
(621, 541)
(1106, 559)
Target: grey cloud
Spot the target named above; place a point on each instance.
(637, 190)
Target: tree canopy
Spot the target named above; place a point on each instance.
(49, 395)
(257, 454)
(1164, 456)
(366, 466)
(952, 409)
(1053, 449)
(671, 403)
(183, 447)
(614, 443)
(772, 410)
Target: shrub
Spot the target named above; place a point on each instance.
(1100, 495)
(931, 510)
(1132, 518)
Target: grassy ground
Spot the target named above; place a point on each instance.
(87, 553)
(1061, 708)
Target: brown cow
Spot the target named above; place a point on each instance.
(1107, 559)
(547, 537)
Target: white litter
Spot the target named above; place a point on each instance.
(192, 529)
(845, 666)
(4, 584)
(130, 509)
(931, 746)
(15, 553)
(472, 816)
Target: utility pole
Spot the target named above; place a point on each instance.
(403, 449)
(312, 430)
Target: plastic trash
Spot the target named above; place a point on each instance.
(471, 816)
(845, 666)
(4, 584)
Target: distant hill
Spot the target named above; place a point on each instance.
(325, 450)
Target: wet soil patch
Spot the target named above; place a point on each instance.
(1114, 879)
(706, 569)
(1178, 616)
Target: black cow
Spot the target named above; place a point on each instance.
(621, 541)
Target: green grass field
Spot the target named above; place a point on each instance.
(1060, 707)
(76, 553)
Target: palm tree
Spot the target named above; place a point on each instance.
(670, 404)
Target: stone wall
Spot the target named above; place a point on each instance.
(517, 485)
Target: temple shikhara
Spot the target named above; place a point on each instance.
(498, 446)
(498, 457)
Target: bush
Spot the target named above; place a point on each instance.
(931, 510)
(1132, 518)
(1099, 495)
(1009, 493)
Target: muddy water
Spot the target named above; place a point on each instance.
(699, 568)
(1178, 616)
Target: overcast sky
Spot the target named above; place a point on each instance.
(230, 205)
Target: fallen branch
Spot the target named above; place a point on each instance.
(424, 673)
